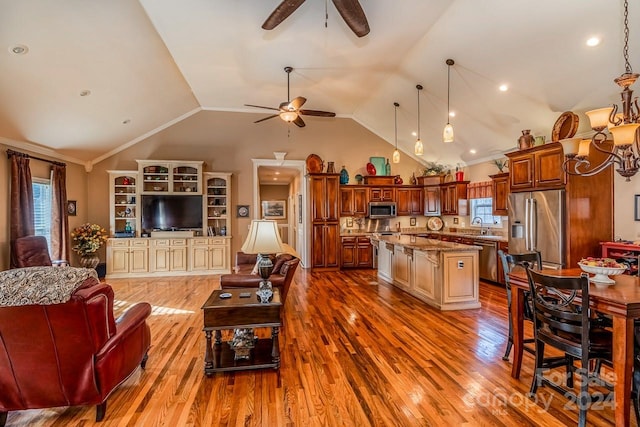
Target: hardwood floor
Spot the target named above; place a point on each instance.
(355, 352)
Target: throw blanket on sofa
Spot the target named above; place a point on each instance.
(41, 285)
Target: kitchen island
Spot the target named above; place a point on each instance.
(442, 274)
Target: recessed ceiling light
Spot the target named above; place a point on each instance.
(503, 88)
(472, 151)
(452, 113)
(19, 49)
(126, 121)
(85, 92)
(414, 133)
(593, 41)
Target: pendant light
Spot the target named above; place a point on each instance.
(396, 153)
(418, 149)
(447, 134)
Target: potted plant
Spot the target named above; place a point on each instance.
(88, 239)
(501, 164)
(433, 168)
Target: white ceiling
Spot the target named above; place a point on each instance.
(154, 62)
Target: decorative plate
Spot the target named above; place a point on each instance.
(565, 127)
(243, 211)
(371, 169)
(314, 163)
(435, 223)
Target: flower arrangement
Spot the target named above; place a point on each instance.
(88, 238)
(433, 168)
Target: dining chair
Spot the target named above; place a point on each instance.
(510, 262)
(562, 322)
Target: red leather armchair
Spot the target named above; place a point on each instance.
(284, 267)
(72, 353)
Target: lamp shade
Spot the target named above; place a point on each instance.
(624, 135)
(263, 238)
(419, 148)
(583, 148)
(447, 134)
(288, 116)
(570, 145)
(599, 119)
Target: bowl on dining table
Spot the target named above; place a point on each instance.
(602, 268)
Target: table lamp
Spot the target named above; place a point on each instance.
(263, 239)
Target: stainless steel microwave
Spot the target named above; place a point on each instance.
(382, 210)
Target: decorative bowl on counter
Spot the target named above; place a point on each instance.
(602, 268)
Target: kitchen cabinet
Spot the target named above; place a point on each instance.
(382, 194)
(357, 252)
(453, 200)
(538, 168)
(409, 200)
(432, 201)
(172, 177)
(168, 255)
(500, 184)
(504, 247)
(208, 254)
(325, 226)
(354, 201)
(402, 267)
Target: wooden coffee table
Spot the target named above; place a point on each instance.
(235, 313)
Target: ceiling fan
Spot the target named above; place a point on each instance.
(350, 10)
(290, 111)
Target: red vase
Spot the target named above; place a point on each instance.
(460, 176)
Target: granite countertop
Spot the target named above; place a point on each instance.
(413, 231)
(424, 244)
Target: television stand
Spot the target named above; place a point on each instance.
(171, 234)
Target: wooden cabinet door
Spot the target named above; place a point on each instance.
(402, 267)
(119, 260)
(548, 168)
(521, 172)
(424, 275)
(159, 257)
(403, 199)
(364, 253)
(317, 186)
(349, 255)
(346, 201)
(504, 247)
(217, 257)
(500, 183)
(332, 189)
(331, 237)
(382, 194)
(178, 258)
(138, 260)
(198, 259)
(360, 201)
(432, 201)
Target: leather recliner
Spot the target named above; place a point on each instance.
(33, 251)
(284, 267)
(71, 353)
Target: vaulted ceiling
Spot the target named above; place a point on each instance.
(150, 63)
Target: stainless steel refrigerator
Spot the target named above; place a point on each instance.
(536, 223)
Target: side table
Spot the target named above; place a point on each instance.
(235, 313)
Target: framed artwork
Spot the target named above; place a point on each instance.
(636, 210)
(243, 211)
(72, 207)
(274, 209)
(349, 222)
(412, 222)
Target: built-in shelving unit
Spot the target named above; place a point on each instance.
(123, 203)
(218, 203)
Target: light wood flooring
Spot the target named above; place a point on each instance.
(355, 352)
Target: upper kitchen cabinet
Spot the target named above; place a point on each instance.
(500, 183)
(353, 200)
(538, 168)
(409, 200)
(324, 196)
(382, 194)
(171, 177)
(453, 198)
(432, 200)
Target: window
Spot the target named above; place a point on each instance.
(42, 208)
(483, 208)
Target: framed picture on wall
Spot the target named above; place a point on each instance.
(72, 207)
(274, 209)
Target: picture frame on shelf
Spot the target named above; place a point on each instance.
(274, 209)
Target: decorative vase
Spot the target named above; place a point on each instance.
(344, 176)
(330, 168)
(89, 260)
(526, 140)
(387, 168)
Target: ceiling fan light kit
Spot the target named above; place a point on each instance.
(447, 133)
(396, 154)
(624, 154)
(418, 149)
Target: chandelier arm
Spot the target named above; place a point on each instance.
(635, 112)
(577, 163)
(613, 157)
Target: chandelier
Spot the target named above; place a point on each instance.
(624, 152)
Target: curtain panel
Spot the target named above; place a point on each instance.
(59, 216)
(480, 190)
(21, 217)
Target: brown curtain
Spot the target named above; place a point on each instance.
(480, 190)
(21, 216)
(59, 218)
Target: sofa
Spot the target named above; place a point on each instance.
(284, 267)
(60, 344)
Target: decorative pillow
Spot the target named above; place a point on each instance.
(41, 285)
(280, 260)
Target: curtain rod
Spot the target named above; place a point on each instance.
(19, 154)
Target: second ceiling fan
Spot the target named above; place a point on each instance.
(290, 110)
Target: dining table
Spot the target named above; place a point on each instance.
(620, 300)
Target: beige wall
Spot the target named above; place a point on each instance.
(76, 190)
(227, 142)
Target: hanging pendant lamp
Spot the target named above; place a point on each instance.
(418, 149)
(396, 154)
(447, 134)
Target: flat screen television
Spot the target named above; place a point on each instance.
(171, 212)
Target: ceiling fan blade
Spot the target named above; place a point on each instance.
(317, 113)
(267, 118)
(282, 12)
(297, 102)
(260, 106)
(299, 122)
(353, 15)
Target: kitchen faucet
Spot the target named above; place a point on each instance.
(473, 221)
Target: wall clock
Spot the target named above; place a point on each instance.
(243, 211)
